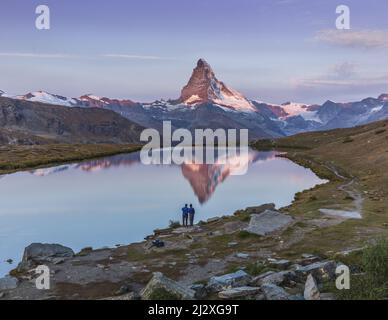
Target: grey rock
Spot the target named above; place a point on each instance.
(324, 270)
(260, 209)
(215, 219)
(237, 279)
(279, 264)
(239, 292)
(8, 283)
(242, 255)
(200, 291)
(268, 222)
(277, 278)
(40, 253)
(159, 281)
(308, 259)
(311, 291)
(274, 292)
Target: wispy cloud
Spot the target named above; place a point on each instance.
(37, 55)
(135, 57)
(342, 75)
(354, 38)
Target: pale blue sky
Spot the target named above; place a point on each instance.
(271, 50)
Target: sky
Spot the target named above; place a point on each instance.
(270, 50)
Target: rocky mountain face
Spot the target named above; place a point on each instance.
(203, 87)
(42, 123)
(206, 102)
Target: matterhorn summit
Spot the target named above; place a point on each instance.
(204, 87)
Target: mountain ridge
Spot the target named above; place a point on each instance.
(206, 102)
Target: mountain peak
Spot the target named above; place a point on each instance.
(204, 87)
(383, 97)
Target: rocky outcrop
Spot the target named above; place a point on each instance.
(204, 87)
(162, 288)
(324, 270)
(268, 222)
(40, 253)
(237, 279)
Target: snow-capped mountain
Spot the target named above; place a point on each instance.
(206, 102)
(45, 97)
(203, 87)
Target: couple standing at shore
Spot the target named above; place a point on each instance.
(188, 214)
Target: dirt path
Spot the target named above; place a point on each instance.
(352, 192)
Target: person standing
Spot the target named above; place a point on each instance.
(191, 215)
(185, 215)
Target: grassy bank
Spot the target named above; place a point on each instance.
(15, 158)
(358, 155)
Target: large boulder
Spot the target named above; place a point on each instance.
(311, 291)
(8, 283)
(268, 222)
(40, 253)
(240, 292)
(162, 288)
(231, 280)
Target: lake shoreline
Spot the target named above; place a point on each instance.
(23, 158)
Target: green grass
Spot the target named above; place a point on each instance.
(371, 283)
(14, 158)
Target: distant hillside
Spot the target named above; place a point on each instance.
(360, 151)
(26, 122)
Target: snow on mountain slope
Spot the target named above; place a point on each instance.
(204, 87)
(298, 109)
(45, 97)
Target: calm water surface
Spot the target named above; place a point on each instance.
(118, 200)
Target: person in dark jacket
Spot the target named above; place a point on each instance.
(185, 215)
(191, 215)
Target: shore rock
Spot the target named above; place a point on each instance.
(311, 291)
(40, 253)
(239, 292)
(260, 209)
(274, 292)
(160, 283)
(237, 279)
(8, 283)
(268, 222)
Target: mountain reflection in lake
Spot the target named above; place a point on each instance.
(116, 200)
